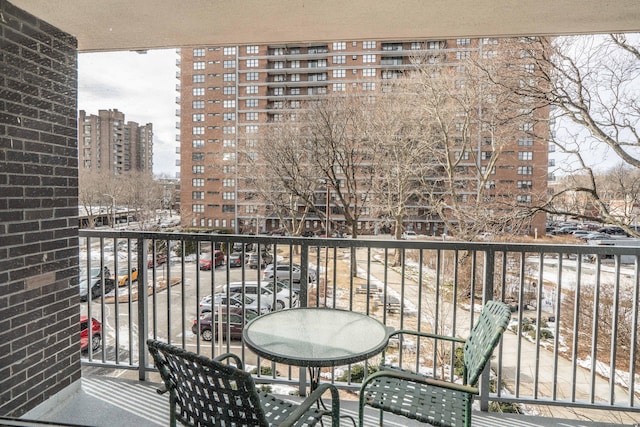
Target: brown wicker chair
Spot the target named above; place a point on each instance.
(207, 392)
(435, 401)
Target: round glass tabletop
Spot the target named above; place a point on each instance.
(315, 337)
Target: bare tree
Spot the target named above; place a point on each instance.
(472, 122)
(591, 85)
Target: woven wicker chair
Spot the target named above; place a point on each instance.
(435, 401)
(207, 392)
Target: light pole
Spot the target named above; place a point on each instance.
(113, 210)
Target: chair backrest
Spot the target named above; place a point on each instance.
(206, 391)
(484, 337)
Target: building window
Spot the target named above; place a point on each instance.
(228, 195)
(197, 182)
(198, 52)
(529, 68)
(252, 63)
(197, 169)
(278, 91)
(525, 170)
(198, 78)
(228, 130)
(229, 64)
(278, 65)
(463, 55)
(294, 91)
(251, 116)
(199, 65)
(198, 208)
(369, 44)
(198, 91)
(294, 64)
(197, 157)
(251, 129)
(252, 76)
(524, 198)
(197, 117)
(229, 77)
(229, 103)
(433, 45)
(526, 127)
(228, 209)
(525, 142)
(198, 130)
(339, 87)
(231, 50)
(368, 72)
(295, 77)
(339, 45)
(228, 182)
(251, 90)
(227, 169)
(486, 155)
(368, 58)
(229, 90)
(197, 195)
(338, 74)
(525, 185)
(340, 59)
(197, 143)
(229, 157)
(416, 45)
(483, 170)
(196, 105)
(369, 86)
(228, 143)
(525, 155)
(463, 42)
(228, 117)
(251, 103)
(490, 185)
(252, 50)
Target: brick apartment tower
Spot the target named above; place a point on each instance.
(108, 142)
(227, 94)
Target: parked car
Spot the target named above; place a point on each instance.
(207, 261)
(285, 298)
(235, 260)
(237, 319)
(564, 230)
(96, 333)
(613, 230)
(252, 259)
(92, 282)
(286, 273)
(123, 276)
(597, 236)
(249, 302)
(160, 259)
(409, 235)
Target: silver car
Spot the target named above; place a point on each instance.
(234, 300)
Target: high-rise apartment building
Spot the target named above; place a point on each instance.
(109, 143)
(228, 95)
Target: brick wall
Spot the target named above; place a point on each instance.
(39, 310)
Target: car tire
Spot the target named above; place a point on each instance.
(207, 335)
(279, 305)
(96, 340)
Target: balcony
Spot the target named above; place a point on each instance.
(543, 366)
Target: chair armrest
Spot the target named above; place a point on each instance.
(421, 379)
(311, 400)
(426, 335)
(235, 357)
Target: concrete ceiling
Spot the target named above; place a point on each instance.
(105, 25)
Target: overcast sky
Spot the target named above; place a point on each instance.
(143, 87)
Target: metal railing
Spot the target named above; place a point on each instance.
(573, 341)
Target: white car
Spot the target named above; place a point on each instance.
(284, 297)
(287, 273)
(235, 300)
(409, 235)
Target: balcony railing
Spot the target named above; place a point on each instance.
(573, 340)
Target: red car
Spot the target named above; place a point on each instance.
(96, 333)
(206, 260)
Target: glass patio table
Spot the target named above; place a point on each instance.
(315, 337)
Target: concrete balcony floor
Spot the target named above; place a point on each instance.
(105, 401)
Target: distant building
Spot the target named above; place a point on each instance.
(107, 142)
(228, 95)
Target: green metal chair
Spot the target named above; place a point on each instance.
(207, 392)
(436, 401)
